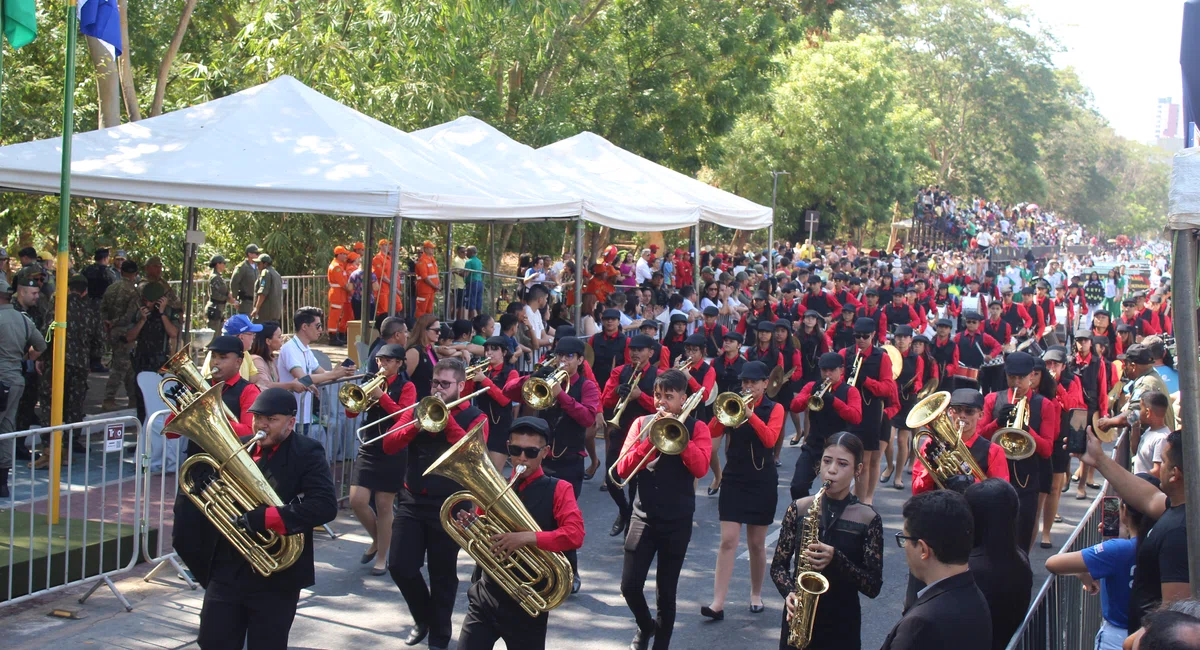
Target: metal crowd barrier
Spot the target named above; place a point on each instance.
(1062, 616)
(96, 536)
(159, 460)
(340, 439)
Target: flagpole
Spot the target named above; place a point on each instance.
(59, 327)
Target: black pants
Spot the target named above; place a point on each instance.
(493, 615)
(193, 537)
(233, 618)
(612, 450)
(1027, 505)
(569, 468)
(806, 470)
(669, 540)
(418, 536)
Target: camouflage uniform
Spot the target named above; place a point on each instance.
(173, 300)
(84, 337)
(27, 413)
(100, 277)
(116, 309)
(218, 296)
(243, 285)
(270, 284)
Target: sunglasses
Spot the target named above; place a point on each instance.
(902, 540)
(527, 452)
(862, 336)
(440, 383)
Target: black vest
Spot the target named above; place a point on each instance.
(752, 317)
(1089, 376)
(979, 451)
(702, 412)
(566, 435)
(943, 354)
(970, 349)
(827, 422)
(901, 315)
(499, 416)
(996, 330)
(818, 303)
(610, 353)
(770, 356)
(423, 450)
(674, 346)
(666, 492)
(745, 454)
(728, 373)
(713, 340)
(908, 370)
(1023, 474)
(634, 409)
(376, 412)
(811, 348)
(843, 335)
(538, 498)
(1008, 314)
(872, 405)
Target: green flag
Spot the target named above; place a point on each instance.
(20, 22)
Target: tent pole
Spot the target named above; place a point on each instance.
(1183, 279)
(696, 259)
(446, 291)
(771, 249)
(397, 292)
(579, 276)
(491, 266)
(189, 272)
(368, 299)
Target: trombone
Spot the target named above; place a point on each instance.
(432, 414)
(624, 401)
(478, 368)
(668, 433)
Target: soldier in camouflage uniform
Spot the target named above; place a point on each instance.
(218, 295)
(83, 339)
(152, 274)
(26, 299)
(268, 305)
(153, 328)
(116, 310)
(244, 283)
(100, 275)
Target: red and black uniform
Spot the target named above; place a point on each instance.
(771, 356)
(1016, 316)
(1001, 330)
(1023, 474)
(942, 351)
(702, 378)
(789, 309)
(491, 613)
(662, 521)
(1114, 342)
(903, 314)
(874, 313)
(812, 345)
(496, 405)
(727, 372)
(749, 321)
(793, 368)
(749, 484)
(374, 469)
(972, 350)
(714, 338)
(1069, 305)
(989, 289)
(1069, 395)
(417, 530)
(1046, 305)
(1038, 317)
(823, 303)
(673, 344)
(989, 457)
(843, 409)
(992, 377)
(1093, 374)
(951, 303)
(908, 384)
(610, 352)
(1148, 322)
(847, 300)
(635, 408)
(878, 390)
(573, 412)
(842, 335)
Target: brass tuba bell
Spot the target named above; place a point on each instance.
(538, 392)
(946, 456)
(816, 401)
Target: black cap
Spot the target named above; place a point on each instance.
(396, 351)
(530, 424)
(765, 325)
(1027, 291)
(1139, 354)
(226, 344)
(1102, 312)
(943, 322)
(696, 340)
(754, 371)
(1128, 302)
(783, 323)
(1039, 364)
(215, 260)
(1101, 340)
(871, 292)
(921, 338)
(735, 336)
(971, 314)
(760, 295)
(814, 313)
(865, 325)
(710, 310)
(1055, 353)
(903, 330)
(641, 341)
(496, 342)
(563, 331)
(1125, 327)
(855, 280)
(678, 318)
(569, 345)
(967, 397)
(840, 276)
(77, 282)
(611, 313)
(1083, 333)
(1018, 363)
(274, 401)
(129, 266)
(830, 360)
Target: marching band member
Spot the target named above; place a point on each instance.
(609, 346)
(1064, 310)
(879, 397)
(417, 531)
(818, 300)
(814, 342)
(969, 348)
(749, 491)
(966, 407)
(728, 370)
(1015, 314)
(992, 378)
(841, 334)
(241, 607)
(1102, 326)
(794, 368)
(1132, 317)
(788, 306)
(1035, 313)
(842, 410)
(972, 299)
(760, 309)
(713, 332)
(942, 347)
(998, 411)
(662, 512)
(491, 613)
(1093, 373)
(673, 341)
(908, 384)
(899, 312)
(701, 376)
(1068, 392)
(496, 404)
(1046, 306)
(1152, 323)
(845, 298)
(376, 472)
(873, 311)
(639, 400)
(848, 550)
(988, 287)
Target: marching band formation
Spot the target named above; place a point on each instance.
(491, 461)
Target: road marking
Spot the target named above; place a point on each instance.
(769, 543)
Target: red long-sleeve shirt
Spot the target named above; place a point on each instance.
(583, 410)
(244, 425)
(884, 388)
(710, 380)
(1102, 381)
(1021, 312)
(1036, 318)
(408, 397)
(876, 313)
(1044, 438)
(798, 361)
(495, 391)
(695, 455)
(990, 346)
(1072, 396)
(609, 398)
(997, 466)
(768, 432)
(770, 315)
(850, 411)
(569, 534)
(400, 435)
(829, 300)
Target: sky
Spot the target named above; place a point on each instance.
(1127, 53)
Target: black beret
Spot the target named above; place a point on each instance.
(1055, 353)
(1125, 327)
(1101, 340)
(921, 338)
(943, 322)
(1102, 312)
(649, 324)
(696, 340)
(865, 325)
(967, 397)
(226, 344)
(1128, 302)
(563, 331)
(840, 276)
(569, 345)
(1018, 363)
(1083, 334)
(830, 360)
(814, 313)
(734, 335)
(903, 330)
(1027, 291)
(678, 318)
(765, 325)
(396, 351)
(641, 341)
(783, 323)
(611, 313)
(754, 371)
(760, 295)
(855, 280)
(1137, 353)
(274, 401)
(710, 310)
(530, 424)
(971, 314)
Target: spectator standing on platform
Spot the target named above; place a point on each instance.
(244, 283)
(100, 275)
(20, 343)
(428, 282)
(474, 300)
(268, 303)
(116, 309)
(338, 280)
(458, 281)
(218, 295)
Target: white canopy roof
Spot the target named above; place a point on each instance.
(280, 146)
(1183, 210)
(597, 156)
(609, 193)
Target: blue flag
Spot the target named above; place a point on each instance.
(101, 20)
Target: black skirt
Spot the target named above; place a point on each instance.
(380, 472)
(750, 498)
(900, 419)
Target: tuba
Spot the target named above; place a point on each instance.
(357, 399)
(1014, 439)
(188, 380)
(947, 456)
(809, 584)
(668, 434)
(733, 409)
(816, 401)
(237, 485)
(537, 580)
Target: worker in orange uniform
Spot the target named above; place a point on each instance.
(381, 266)
(338, 296)
(427, 280)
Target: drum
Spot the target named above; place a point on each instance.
(967, 373)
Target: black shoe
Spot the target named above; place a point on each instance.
(619, 526)
(367, 558)
(716, 615)
(4, 492)
(757, 609)
(712, 491)
(1065, 487)
(417, 634)
(22, 452)
(641, 638)
(576, 584)
(604, 487)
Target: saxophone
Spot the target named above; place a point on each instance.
(809, 584)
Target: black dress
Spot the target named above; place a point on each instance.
(422, 375)
(373, 469)
(750, 483)
(855, 531)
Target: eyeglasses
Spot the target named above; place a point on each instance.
(433, 328)
(902, 540)
(527, 452)
(964, 410)
(439, 383)
(862, 336)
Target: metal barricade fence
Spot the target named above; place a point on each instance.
(159, 459)
(340, 439)
(1062, 616)
(96, 536)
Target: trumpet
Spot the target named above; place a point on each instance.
(816, 401)
(432, 414)
(668, 433)
(538, 391)
(733, 409)
(624, 401)
(357, 399)
(478, 368)
(684, 364)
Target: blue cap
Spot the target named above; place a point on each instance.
(240, 324)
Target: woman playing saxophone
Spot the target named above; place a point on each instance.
(847, 551)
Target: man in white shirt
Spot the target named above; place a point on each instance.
(1013, 272)
(539, 334)
(1153, 415)
(296, 360)
(642, 271)
(984, 239)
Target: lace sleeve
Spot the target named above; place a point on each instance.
(869, 577)
(785, 548)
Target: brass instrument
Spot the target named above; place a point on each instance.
(809, 584)
(537, 580)
(776, 381)
(1014, 439)
(624, 401)
(897, 360)
(928, 389)
(685, 364)
(238, 485)
(855, 369)
(668, 433)
(432, 414)
(816, 401)
(190, 380)
(733, 409)
(357, 399)
(949, 457)
(478, 368)
(538, 391)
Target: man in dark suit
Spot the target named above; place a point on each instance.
(242, 607)
(950, 612)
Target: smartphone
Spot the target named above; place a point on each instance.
(1077, 432)
(1111, 509)
(347, 363)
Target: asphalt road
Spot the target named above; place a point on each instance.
(350, 608)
